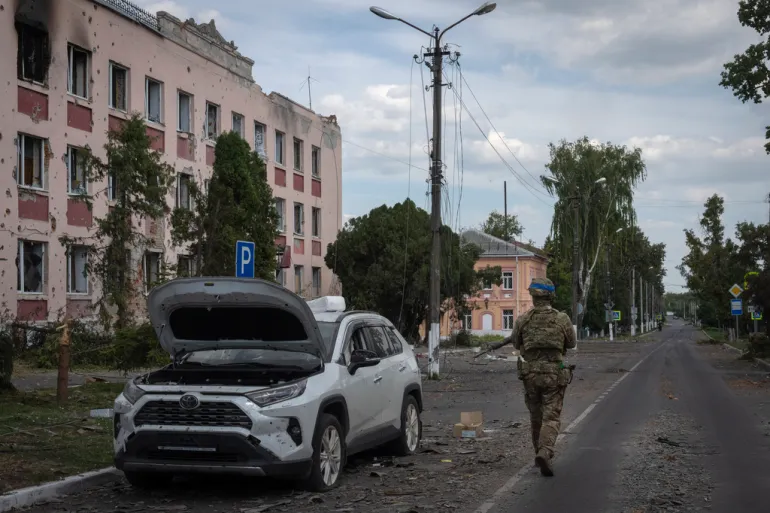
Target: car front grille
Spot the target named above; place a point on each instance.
(208, 414)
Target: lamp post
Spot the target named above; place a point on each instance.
(575, 245)
(436, 56)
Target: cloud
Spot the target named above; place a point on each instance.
(505, 146)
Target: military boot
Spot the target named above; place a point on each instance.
(543, 460)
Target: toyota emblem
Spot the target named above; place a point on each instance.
(189, 402)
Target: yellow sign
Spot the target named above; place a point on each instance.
(736, 290)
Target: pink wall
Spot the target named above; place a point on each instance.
(48, 111)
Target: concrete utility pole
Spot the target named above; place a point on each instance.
(633, 302)
(608, 283)
(436, 56)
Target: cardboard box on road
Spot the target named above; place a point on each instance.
(469, 425)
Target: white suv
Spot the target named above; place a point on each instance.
(264, 383)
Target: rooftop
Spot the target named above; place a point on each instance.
(494, 247)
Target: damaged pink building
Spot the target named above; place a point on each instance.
(75, 68)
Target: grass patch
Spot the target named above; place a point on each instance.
(741, 344)
(41, 441)
(718, 335)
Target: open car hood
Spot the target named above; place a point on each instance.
(196, 314)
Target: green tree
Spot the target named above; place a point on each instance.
(141, 183)
(497, 225)
(383, 262)
(238, 205)
(754, 255)
(600, 180)
(747, 74)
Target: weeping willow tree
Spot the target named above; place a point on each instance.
(599, 180)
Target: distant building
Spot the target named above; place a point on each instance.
(71, 70)
(496, 308)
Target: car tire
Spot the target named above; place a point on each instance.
(329, 455)
(148, 480)
(411, 428)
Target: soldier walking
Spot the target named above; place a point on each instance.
(543, 335)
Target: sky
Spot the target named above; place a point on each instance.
(643, 74)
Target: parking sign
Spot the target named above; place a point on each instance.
(244, 259)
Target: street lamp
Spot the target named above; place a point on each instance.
(575, 244)
(436, 56)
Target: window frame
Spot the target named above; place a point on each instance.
(281, 213)
(31, 32)
(280, 156)
(113, 66)
(261, 151)
(316, 290)
(70, 190)
(70, 277)
(298, 149)
(298, 278)
(145, 268)
(217, 121)
(315, 162)
(191, 271)
(508, 315)
(20, 267)
(301, 218)
(147, 80)
(190, 204)
(71, 49)
(315, 225)
(233, 116)
(507, 274)
(21, 150)
(179, 128)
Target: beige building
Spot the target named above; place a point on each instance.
(71, 70)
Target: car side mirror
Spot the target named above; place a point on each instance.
(362, 358)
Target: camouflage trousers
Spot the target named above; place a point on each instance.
(544, 397)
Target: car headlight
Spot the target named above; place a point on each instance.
(131, 392)
(276, 395)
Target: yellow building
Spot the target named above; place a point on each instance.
(495, 308)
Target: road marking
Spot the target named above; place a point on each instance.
(508, 486)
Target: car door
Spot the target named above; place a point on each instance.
(392, 393)
(363, 390)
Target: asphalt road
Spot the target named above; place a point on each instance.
(672, 436)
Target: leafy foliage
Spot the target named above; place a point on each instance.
(142, 183)
(747, 74)
(497, 225)
(383, 262)
(238, 205)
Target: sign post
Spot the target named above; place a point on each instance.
(244, 259)
(736, 309)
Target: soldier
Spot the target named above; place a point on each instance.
(543, 336)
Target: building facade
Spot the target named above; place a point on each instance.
(75, 69)
(495, 308)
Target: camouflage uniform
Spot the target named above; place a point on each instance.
(543, 336)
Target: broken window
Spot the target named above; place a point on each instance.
(279, 147)
(31, 264)
(77, 274)
(280, 206)
(77, 67)
(316, 281)
(31, 171)
(316, 222)
(259, 139)
(185, 266)
(112, 187)
(184, 105)
(118, 87)
(212, 121)
(153, 94)
(238, 124)
(316, 161)
(152, 260)
(297, 154)
(280, 276)
(298, 271)
(183, 199)
(32, 57)
(299, 219)
(77, 171)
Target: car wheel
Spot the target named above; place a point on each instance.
(148, 480)
(411, 428)
(329, 454)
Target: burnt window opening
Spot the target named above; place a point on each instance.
(152, 263)
(77, 274)
(118, 87)
(186, 266)
(76, 183)
(238, 124)
(153, 100)
(236, 323)
(212, 121)
(33, 56)
(183, 199)
(184, 108)
(31, 265)
(31, 162)
(78, 65)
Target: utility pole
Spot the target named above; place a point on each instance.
(633, 301)
(435, 57)
(608, 284)
(505, 209)
(575, 258)
(641, 303)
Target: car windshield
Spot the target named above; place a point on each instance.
(258, 357)
(328, 329)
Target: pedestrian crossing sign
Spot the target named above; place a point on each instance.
(756, 316)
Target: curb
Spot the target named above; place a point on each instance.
(760, 361)
(35, 494)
